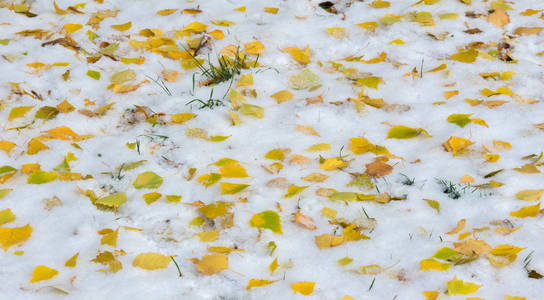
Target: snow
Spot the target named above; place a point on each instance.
(407, 231)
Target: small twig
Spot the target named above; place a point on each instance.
(372, 284)
(177, 266)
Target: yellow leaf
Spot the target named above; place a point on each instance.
(508, 297)
(255, 47)
(6, 146)
(225, 23)
(67, 134)
(58, 10)
(182, 117)
(123, 76)
(271, 10)
(6, 216)
(195, 27)
(403, 132)
(301, 55)
(211, 263)
(252, 110)
(18, 112)
(431, 295)
(528, 30)
(258, 282)
(527, 211)
(166, 12)
(530, 195)
(368, 25)
(305, 288)
(333, 163)
(492, 157)
(151, 261)
(245, 80)
(499, 18)
(294, 190)
(208, 236)
(71, 263)
(233, 171)
(378, 59)
(460, 226)
(379, 4)
(338, 33)
(466, 56)
(315, 177)
(303, 80)
(236, 98)
(282, 96)
(449, 16)
(43, 273)
(217, 34)
(219, 249)
(472, 247)
(319, 147)
(456, 144)
(459, 287)
(308, 130)
(433, 264)
(530, 12)
(122, 27)
(228, 188)
(71, 28)
(267, 219)
(13, 236)
(110, 238)
(439, 68)
(328, 241)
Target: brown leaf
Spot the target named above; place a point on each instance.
(305, 221)
(378, 169)
(499, 18)
(528, 30)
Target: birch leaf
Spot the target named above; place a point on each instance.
(267, 219)
(211, 263)
(43, 273)
(151, 261)
(13, 236)
(147, 180)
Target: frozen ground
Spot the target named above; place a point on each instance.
(88, 109)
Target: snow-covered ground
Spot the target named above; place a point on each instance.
(353, 157)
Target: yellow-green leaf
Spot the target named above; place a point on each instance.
(460, 119)
(39, 177)
(252, 110)
(459, 287)
(228, 188)
(267, 219)
(147, 180)
(303, 80)
(293, 190)
(6, 216)
(403, 132)
(433, 264)
(112, 201)
(530, 195)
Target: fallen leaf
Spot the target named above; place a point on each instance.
(305, 288)
(211, 263)
(43, 273)
(151, 261)
(267, 219)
